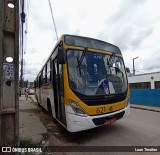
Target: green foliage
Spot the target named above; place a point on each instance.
(127, 70)
(45, 136)
(28, 142)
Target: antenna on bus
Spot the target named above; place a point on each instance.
(53, 18)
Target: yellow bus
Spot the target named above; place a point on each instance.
(83, 84)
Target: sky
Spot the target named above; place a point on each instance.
(132, 25)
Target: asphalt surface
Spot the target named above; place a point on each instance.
(140, 128)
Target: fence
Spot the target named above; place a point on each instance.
(150, 97)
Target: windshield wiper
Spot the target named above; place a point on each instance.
(111, 60)
(79, 62)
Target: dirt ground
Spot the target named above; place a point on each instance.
(59, 136)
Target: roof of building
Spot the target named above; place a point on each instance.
(144, 74)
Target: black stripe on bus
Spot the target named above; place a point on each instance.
(102, 100)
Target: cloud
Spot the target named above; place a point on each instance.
(126, 28)
(134, 27)
(131, 25)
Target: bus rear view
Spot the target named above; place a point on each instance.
(92, 84)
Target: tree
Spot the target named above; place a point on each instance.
(128, 70)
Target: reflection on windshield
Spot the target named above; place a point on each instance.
(97, 74)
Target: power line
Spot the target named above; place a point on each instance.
(28, 5)
(22, 41)
(140, 72)
(30, 73)
(53, 18)
(27, 13)
(26, 30)
(27, 19)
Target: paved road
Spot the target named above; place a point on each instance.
(140, 128)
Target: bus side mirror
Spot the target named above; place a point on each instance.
(60, 56)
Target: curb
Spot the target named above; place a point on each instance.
(142, 108)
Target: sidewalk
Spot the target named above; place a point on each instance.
(30, 126)
(144, 107)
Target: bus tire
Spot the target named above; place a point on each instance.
(37, 100)
(49, 107)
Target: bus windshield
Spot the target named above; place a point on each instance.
(93, 73)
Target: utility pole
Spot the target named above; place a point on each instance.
(22, 47)
(134, 66)
(9, 72)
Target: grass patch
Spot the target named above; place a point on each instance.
(28, 142)
(45, 136)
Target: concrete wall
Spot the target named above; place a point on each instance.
(150, 97)
(150, 77)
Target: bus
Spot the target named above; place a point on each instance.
(83, 83)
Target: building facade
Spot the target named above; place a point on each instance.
(145, 81)
(145, 89)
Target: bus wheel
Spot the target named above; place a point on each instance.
(49, 107)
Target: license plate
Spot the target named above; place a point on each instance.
(110, 121)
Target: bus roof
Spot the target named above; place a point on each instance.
(87, 42)
(90, 43)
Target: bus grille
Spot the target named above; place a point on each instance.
(97, 102)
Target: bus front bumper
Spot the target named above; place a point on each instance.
(78, 123)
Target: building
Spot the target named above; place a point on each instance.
(145, 89)
(145, 81)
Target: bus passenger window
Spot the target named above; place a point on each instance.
(48, 72)
(61, 78)
(40, 83)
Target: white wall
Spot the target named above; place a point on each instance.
(145, 78)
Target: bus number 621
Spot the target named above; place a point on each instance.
(100, 110)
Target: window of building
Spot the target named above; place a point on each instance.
(140, 85)
(157, 84)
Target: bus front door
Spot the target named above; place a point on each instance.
(59, 93)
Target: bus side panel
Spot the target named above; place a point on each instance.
(40, 100)
(44, 97)
(51, 98)
(37, 94)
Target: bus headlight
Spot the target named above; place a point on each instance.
(77, 109)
